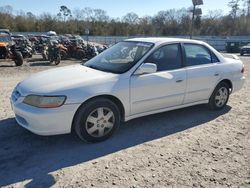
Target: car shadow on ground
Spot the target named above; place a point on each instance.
(35, 59)
(9, 65)
(25, 156)
(41, 63)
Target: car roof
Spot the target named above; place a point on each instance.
(159, 40)
(4, 32)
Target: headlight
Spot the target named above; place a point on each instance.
(44, 101)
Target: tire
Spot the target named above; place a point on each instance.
(219, 97)
(58, 60)
(51, 59)
(241, 53)
(63, 55)
(45, 56)
(18, 58)
(80, 54)
(89, 124)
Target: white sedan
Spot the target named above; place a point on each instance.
(134, 78)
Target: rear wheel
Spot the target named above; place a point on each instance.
(220, 96)
(63, 55)
(18, 58)
(58, 60)
(97, 120)
(80, 54)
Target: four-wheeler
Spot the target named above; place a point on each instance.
(24, 46)
(75, 50)
(8, 49)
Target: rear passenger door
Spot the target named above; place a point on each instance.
(202, 73)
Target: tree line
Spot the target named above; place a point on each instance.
(164, 23)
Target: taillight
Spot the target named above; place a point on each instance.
(243, 69)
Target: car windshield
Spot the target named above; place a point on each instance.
(120, 57)
(4, 38)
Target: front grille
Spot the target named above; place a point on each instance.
(246, 50)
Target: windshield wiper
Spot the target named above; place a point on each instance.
(101, 69)
(92, 67)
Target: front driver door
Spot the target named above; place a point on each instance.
(162, 89)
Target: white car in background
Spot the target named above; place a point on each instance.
(133, 78)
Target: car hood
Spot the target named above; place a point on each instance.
(57, 80)
(4, 44)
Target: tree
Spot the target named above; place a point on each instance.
(100, 15)
(6, 9)
(171, 22)
(247, 4)
(131, 18)
(65, 12)
(88, 14)
(235, 7)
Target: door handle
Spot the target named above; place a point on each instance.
(216, 74)
(178, 81)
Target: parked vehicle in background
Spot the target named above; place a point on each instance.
(23, 45)
(100, 49)
(75, 49)
(8, 48)
(93, 99)
(245, 49)
(77, 38)
(90, 51)
(39, 43)
(54, 52)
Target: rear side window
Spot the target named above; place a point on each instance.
(167, 57)
(198, 55)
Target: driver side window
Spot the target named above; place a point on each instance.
(166, 58)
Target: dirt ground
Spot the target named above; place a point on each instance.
(191, 147)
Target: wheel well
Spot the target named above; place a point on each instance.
(110, 97)
(229, 84)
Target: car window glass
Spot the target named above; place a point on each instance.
(197, 55)
(166, 58)
(120, 57)
(214, 58)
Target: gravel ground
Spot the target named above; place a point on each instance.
(191, 147)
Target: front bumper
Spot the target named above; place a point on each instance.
(43, 121)
(245, 51)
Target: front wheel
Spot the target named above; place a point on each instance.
(58, 60)
(18, 58)
(220, 96)
(97, 120)
(45, 56)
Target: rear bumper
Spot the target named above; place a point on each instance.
(238, 83)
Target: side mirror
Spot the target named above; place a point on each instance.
(146, 68)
